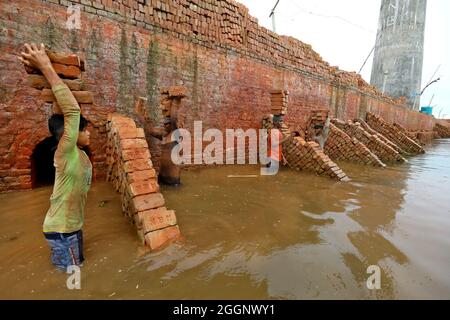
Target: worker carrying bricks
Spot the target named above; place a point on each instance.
(169, 172)
(275, 150)
(64, 219)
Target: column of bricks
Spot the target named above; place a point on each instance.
(371, 131)
(302, 155)
(279, 102)
(382, 150)
(130, 170)
(69, 67)
(394, 134)
(340, 146)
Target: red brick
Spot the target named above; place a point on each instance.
(143, 187)
(141, 175)
(71, 72)
(159, 238)
(66, 59)
(157, 219)
(133, 144)
(147, 202)
(137, 165)
(133, 154)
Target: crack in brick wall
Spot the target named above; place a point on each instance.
(381, 149)
(131, 172)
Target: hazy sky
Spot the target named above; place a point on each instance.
(343, 32)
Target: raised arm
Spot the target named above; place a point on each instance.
(37, 58)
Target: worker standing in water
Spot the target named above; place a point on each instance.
(321, 133)
(169, 172)
(73, 170)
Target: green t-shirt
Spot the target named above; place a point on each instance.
(73, 171)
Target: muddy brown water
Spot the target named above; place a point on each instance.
(291, 236)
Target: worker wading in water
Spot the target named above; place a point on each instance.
(169, 172)
(321, 133)
(73, 169)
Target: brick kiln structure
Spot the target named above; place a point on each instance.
(132, 48)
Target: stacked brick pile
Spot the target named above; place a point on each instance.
(442, 131)
(131, 172)
(424, 137)
(340, 146)
(302, 155)
(69, 67)
(279, 101)
(366, 127)
(383, 151)
(394, 134)
(410, 134)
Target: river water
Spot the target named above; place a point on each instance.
(290, 236)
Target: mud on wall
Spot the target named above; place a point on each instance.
(214, 48)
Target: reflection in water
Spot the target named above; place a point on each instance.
(291, 236)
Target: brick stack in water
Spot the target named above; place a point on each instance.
(279, 101)
(302, 155)
(442, 131)
(340, 146)
(130, 170)
(410, 134)
(371, 131)
(394, 134)
(382, 150)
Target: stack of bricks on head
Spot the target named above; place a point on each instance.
(130, 170)
(69, 67)
(279, 101)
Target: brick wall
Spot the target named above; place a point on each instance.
(227, 62)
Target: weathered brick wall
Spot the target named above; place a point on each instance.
(215, 49)
(131, 172)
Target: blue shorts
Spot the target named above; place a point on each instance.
(66, 248)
